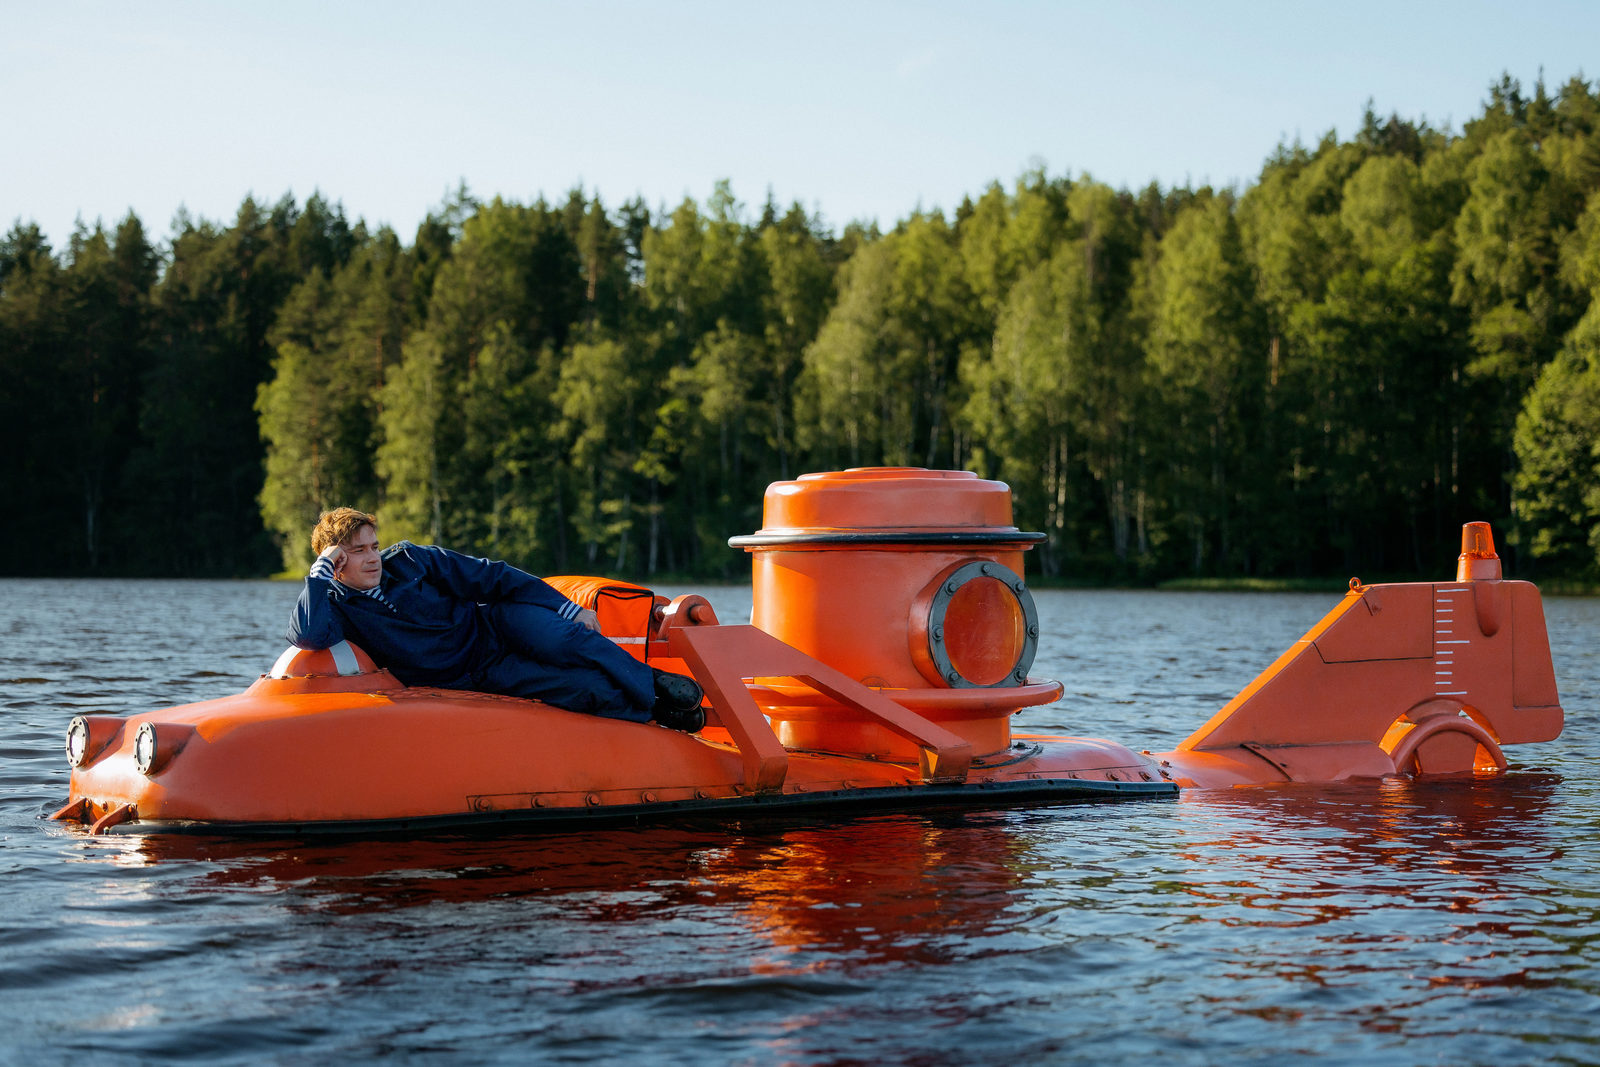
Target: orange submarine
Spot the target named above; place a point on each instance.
(889, 647)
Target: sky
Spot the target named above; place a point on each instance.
(858, 111)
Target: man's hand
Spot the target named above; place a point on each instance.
(330, 563)
(587, 619)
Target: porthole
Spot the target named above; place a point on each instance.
(975, 627)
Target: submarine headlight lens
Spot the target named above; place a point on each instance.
(77, 740)
(144, 748)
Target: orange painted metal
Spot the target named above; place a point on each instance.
(843, 557)
(907, 580)
(123, 813)
(891, 636)
(746, 652)
(1413, 678)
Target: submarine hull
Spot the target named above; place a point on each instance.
(274, 760)
(891, 645)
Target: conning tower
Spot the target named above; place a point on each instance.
(909, 581)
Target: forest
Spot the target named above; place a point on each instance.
(1322, 374)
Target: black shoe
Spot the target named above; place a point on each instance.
(678, 702)
(676, 691)
(690, 721)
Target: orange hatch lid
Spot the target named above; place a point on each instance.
(879, 500)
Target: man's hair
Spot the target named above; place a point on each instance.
(338, 526)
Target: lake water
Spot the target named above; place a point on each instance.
(1394, 922)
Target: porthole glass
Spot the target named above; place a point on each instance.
(982, 628)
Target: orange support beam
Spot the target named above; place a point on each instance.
(718, 654)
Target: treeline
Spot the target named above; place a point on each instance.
(1327, 373)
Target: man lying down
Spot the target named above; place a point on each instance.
(435, 617)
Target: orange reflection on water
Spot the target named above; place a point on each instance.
(886, 888)
(880, 888)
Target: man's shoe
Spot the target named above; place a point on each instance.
(676, 691)
(690, 721)
(678, 702)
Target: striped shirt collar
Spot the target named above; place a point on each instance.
(376, 593)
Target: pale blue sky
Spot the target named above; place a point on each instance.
(858, 110)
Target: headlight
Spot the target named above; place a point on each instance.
(88, 736)
(77, 741)
(145, 749)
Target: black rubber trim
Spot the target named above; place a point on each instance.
(889, 537)
(947, 795)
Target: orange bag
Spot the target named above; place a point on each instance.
(624, 609)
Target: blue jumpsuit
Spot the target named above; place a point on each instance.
(459, 622)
